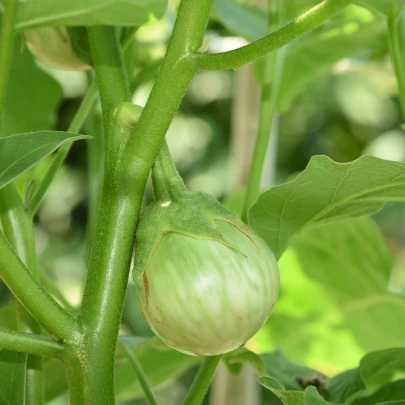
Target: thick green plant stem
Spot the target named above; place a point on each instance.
(273, 68)
(29, 343)
(165, 177)
(202, 381)
(150, 398)
(397, 54)
(126, 173)
(301, 25)
(33, 296)
(60, 155)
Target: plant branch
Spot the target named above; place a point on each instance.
(306, 22)
(29, 343)
(202, 381)
(273, 69)
(397, 54)
(126, 173)
(32, 295)
(150, 398)
(60, 155)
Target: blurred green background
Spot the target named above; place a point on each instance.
(338, 98)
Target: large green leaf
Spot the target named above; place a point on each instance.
(352, 262)
(305, 330)
(20, 152)
(32, 95)
(323, 192)
(12, 377)
(334, 305)
(375, 376)
(38, 13)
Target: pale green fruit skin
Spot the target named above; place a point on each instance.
(204, 298)
(52, 46)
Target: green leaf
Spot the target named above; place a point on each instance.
(392, 403)
(287, 373)
(394, 391)
(358, 265)
(286, 397)
(20, 152)
(376, 370)
(12, 377)
(344, 385)
(299, 325)
(159, 362)
(235, 359)
(323, 192)
(39, 13)
(32, 95)
(313, 397)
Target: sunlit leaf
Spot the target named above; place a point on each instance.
(20, 152)
(326, 191)
(350, 259)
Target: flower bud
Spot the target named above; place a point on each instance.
(206, 282)
(53, 47)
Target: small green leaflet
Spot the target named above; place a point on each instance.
(326, 191)
(310, 396)
(235, 359)
(40, 13)
(20, 152)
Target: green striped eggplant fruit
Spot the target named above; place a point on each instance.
(206, 282)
